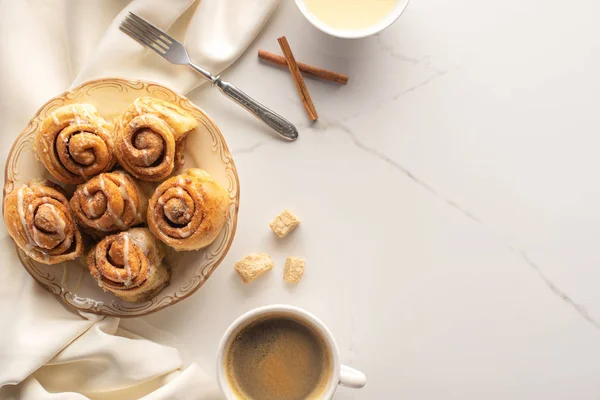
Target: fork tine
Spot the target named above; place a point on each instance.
(156, 31)
(144, 32)
(133, 33)
(148, 40)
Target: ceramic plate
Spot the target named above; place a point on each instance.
(206, 148)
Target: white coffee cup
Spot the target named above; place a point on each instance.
(340, 374)
(353, 33)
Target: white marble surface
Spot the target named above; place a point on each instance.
(449, 195)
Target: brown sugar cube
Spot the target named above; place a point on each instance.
(294, 269)
(253, 265)
(284, 223)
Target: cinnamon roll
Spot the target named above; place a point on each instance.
(38, 218)
(75, 143)
(130, 265)
(150, 138)
(109, 202)
(188, 211)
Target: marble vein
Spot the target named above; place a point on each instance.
(374, 152)
(392, 52)
(395, 54)
(438, 73)
(248, 149)
(419, 85)
(554, 288)
(581, 310)
(324, 124)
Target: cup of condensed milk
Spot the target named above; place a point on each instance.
(352, 19)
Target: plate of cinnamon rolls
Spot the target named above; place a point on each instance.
(121, 197)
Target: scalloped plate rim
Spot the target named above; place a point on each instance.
(234, 208)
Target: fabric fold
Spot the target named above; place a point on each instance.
(48, 351)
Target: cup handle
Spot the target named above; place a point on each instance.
(351, 377)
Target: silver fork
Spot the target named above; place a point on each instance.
(174, 52)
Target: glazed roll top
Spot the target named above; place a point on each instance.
(75, 143)
(150, 138)
(109, 202)
(129, 264)
(38, 218)
(188, 211)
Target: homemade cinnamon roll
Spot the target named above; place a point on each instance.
(38, 218)
(150, 138)
(188, 211)
(109, 202)
(130, 265)
(75, 143)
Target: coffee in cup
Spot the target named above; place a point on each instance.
(281, 352)
(278, 358)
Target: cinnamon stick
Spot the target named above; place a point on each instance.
(327, 75)
(298, 80)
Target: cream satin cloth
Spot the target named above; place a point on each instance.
(46, 350)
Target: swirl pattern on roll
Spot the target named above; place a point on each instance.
(38, 218)
(188, 211)
(129, 264)
(75, 143)
(109, 202)
(150, 138)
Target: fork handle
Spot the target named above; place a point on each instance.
(282, 126)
